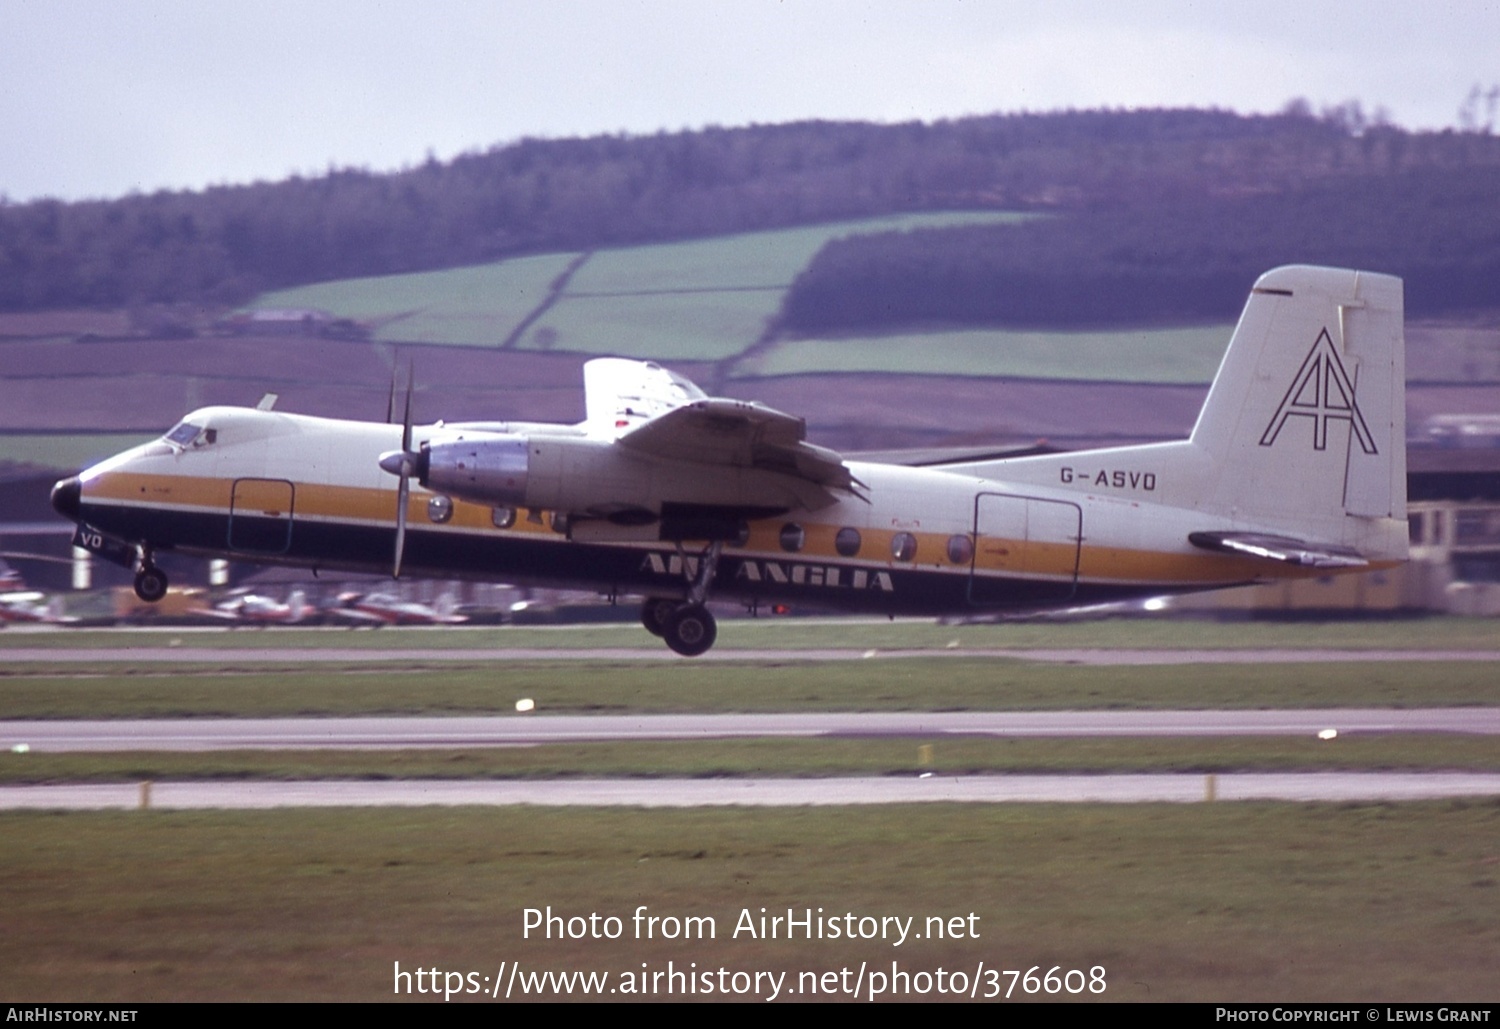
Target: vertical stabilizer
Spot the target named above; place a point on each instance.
(1302, 435)
(1305, 423)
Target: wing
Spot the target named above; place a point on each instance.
(740, 434)
(651, 411)
(1284, 549)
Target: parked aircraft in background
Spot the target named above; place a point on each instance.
(19, 604)
(33, 607)
(1296, 467)
(259, 610)
(377, 609)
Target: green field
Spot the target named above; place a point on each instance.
(1363, 903)
(143, 690)
(702, 300)
(477, 306)
(1181, 355)
(719, 759)
(1142, 633)
(710, 300)
(1355, 903)
(56, 450)
(673, 327)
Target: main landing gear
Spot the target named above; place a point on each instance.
(150, 581)
(686, 625)
(688, 628)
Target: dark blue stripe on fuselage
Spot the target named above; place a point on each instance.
(607, 568)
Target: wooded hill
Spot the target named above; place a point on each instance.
(1206, 198)
(1172, 259)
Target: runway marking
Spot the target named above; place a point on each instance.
(1092, 657)
(456, 731)
(1339, 787)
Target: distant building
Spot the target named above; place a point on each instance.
(279, 321)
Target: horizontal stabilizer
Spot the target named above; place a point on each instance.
(1278, 548)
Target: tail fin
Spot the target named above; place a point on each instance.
(1306, 419)
(1303, 433)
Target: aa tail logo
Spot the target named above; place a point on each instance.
(1322, 392)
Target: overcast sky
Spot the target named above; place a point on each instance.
(103, 97)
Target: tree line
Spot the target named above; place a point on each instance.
(226, 244)
(1182, 259)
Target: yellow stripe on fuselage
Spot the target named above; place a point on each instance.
(994, 555)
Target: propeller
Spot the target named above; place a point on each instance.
(403, 463)
(390, 397)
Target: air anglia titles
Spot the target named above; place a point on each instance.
(779, 572)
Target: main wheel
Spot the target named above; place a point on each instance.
(654, 614)
(150, 584)
(690, 630)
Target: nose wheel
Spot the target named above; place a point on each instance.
(150, 583)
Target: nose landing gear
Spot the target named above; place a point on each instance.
(150, 581)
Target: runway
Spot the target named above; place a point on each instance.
(1328, 787)
(392, 733)
(386, 733)
(222, 656)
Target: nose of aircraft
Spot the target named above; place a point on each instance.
(66, 496)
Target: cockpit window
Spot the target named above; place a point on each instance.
(186, 434)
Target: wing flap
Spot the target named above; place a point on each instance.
(739, 434)
(1283, 549)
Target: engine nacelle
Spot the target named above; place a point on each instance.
(598, 478)
(555, 473)
(488, 470)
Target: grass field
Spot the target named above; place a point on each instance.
(1144, 633)
(1200, 902)
(1180, 355)
(701, 300)
(72, 450)
(143, 690)
(941, 755)
(671, 327)
(479, 305)
(1241, 902)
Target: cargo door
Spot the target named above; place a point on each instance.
(260, 516)
(1025, 551)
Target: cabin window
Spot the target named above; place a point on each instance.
(960, 549)
(439, 509)
(903, 546)
(503, 517)
(793, 537)
(847, 542)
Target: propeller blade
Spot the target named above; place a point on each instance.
(402, 492)
(411, 374)
(402, 463)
